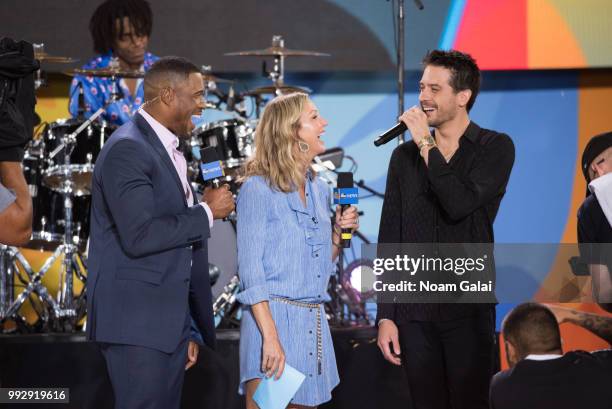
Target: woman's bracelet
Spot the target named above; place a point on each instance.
(337, 231)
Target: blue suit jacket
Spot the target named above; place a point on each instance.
(148, 261)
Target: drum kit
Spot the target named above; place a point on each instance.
(58, 167)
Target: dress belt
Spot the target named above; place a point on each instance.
(319, 340)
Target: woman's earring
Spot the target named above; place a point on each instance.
(304, 147)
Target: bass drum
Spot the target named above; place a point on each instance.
(222, 255)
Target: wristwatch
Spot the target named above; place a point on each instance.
(427, 141)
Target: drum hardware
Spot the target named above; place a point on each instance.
(277, 50)
(41, 55)
(214, 272)
(63, 312)
(233, 139)
(276, 90)
(227, 297)
(208, 76)
(277, 75)
(225, 306)
(88, 137)
(112, 73)
(40, 79)
(66, 306)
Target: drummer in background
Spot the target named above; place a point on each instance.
(120, 30)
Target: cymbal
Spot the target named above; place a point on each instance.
(277, 51)
(276, 90)
(44, 57)
(106, 72)
(208, 77)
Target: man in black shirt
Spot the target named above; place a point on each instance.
(540, 375)
(594, 229)
(444, 187)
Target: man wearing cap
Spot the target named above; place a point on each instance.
(595, 216)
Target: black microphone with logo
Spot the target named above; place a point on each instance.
(345, 195)
(211, 166)
(213, 172)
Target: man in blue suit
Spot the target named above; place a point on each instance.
(148, 261)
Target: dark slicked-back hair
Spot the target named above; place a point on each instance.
(167, 71)
(465, 74)
(103, 23)
(532, 329)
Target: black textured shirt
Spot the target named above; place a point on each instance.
(595, 232)
(454, 202)
(593, 227)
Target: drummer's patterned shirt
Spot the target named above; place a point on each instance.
(97, 91)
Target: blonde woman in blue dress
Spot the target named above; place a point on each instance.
(286, 253)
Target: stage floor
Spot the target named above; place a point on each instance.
(69, 361)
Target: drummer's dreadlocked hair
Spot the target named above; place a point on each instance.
(103, 23)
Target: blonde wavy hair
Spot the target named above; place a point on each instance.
(277, 155)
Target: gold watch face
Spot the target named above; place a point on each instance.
(429, 140)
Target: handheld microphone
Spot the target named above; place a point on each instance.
(345, 195)
(392, 133)
(211, 166)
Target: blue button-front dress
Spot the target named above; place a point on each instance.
(284, 250)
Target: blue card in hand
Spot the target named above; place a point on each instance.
(276, 394)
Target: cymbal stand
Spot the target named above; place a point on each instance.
(65, 308)
(6, 280)
(63, 311)
(39, 79)
(13, 259)
(277, 75)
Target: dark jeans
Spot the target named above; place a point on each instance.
(449, 364)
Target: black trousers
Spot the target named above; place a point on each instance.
(449, 364)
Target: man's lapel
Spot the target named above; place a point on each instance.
(152, 138)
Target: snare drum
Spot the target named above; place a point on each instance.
(86, 149)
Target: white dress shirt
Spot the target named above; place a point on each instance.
(542, 357)
(170, 142)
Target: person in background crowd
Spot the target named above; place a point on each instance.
(120, 30)
(595, 217)
(540, 375)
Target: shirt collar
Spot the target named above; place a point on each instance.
(542, 357)
(471, 132)
(167, 138)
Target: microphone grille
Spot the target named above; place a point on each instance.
(345, 179)
(209, 154)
